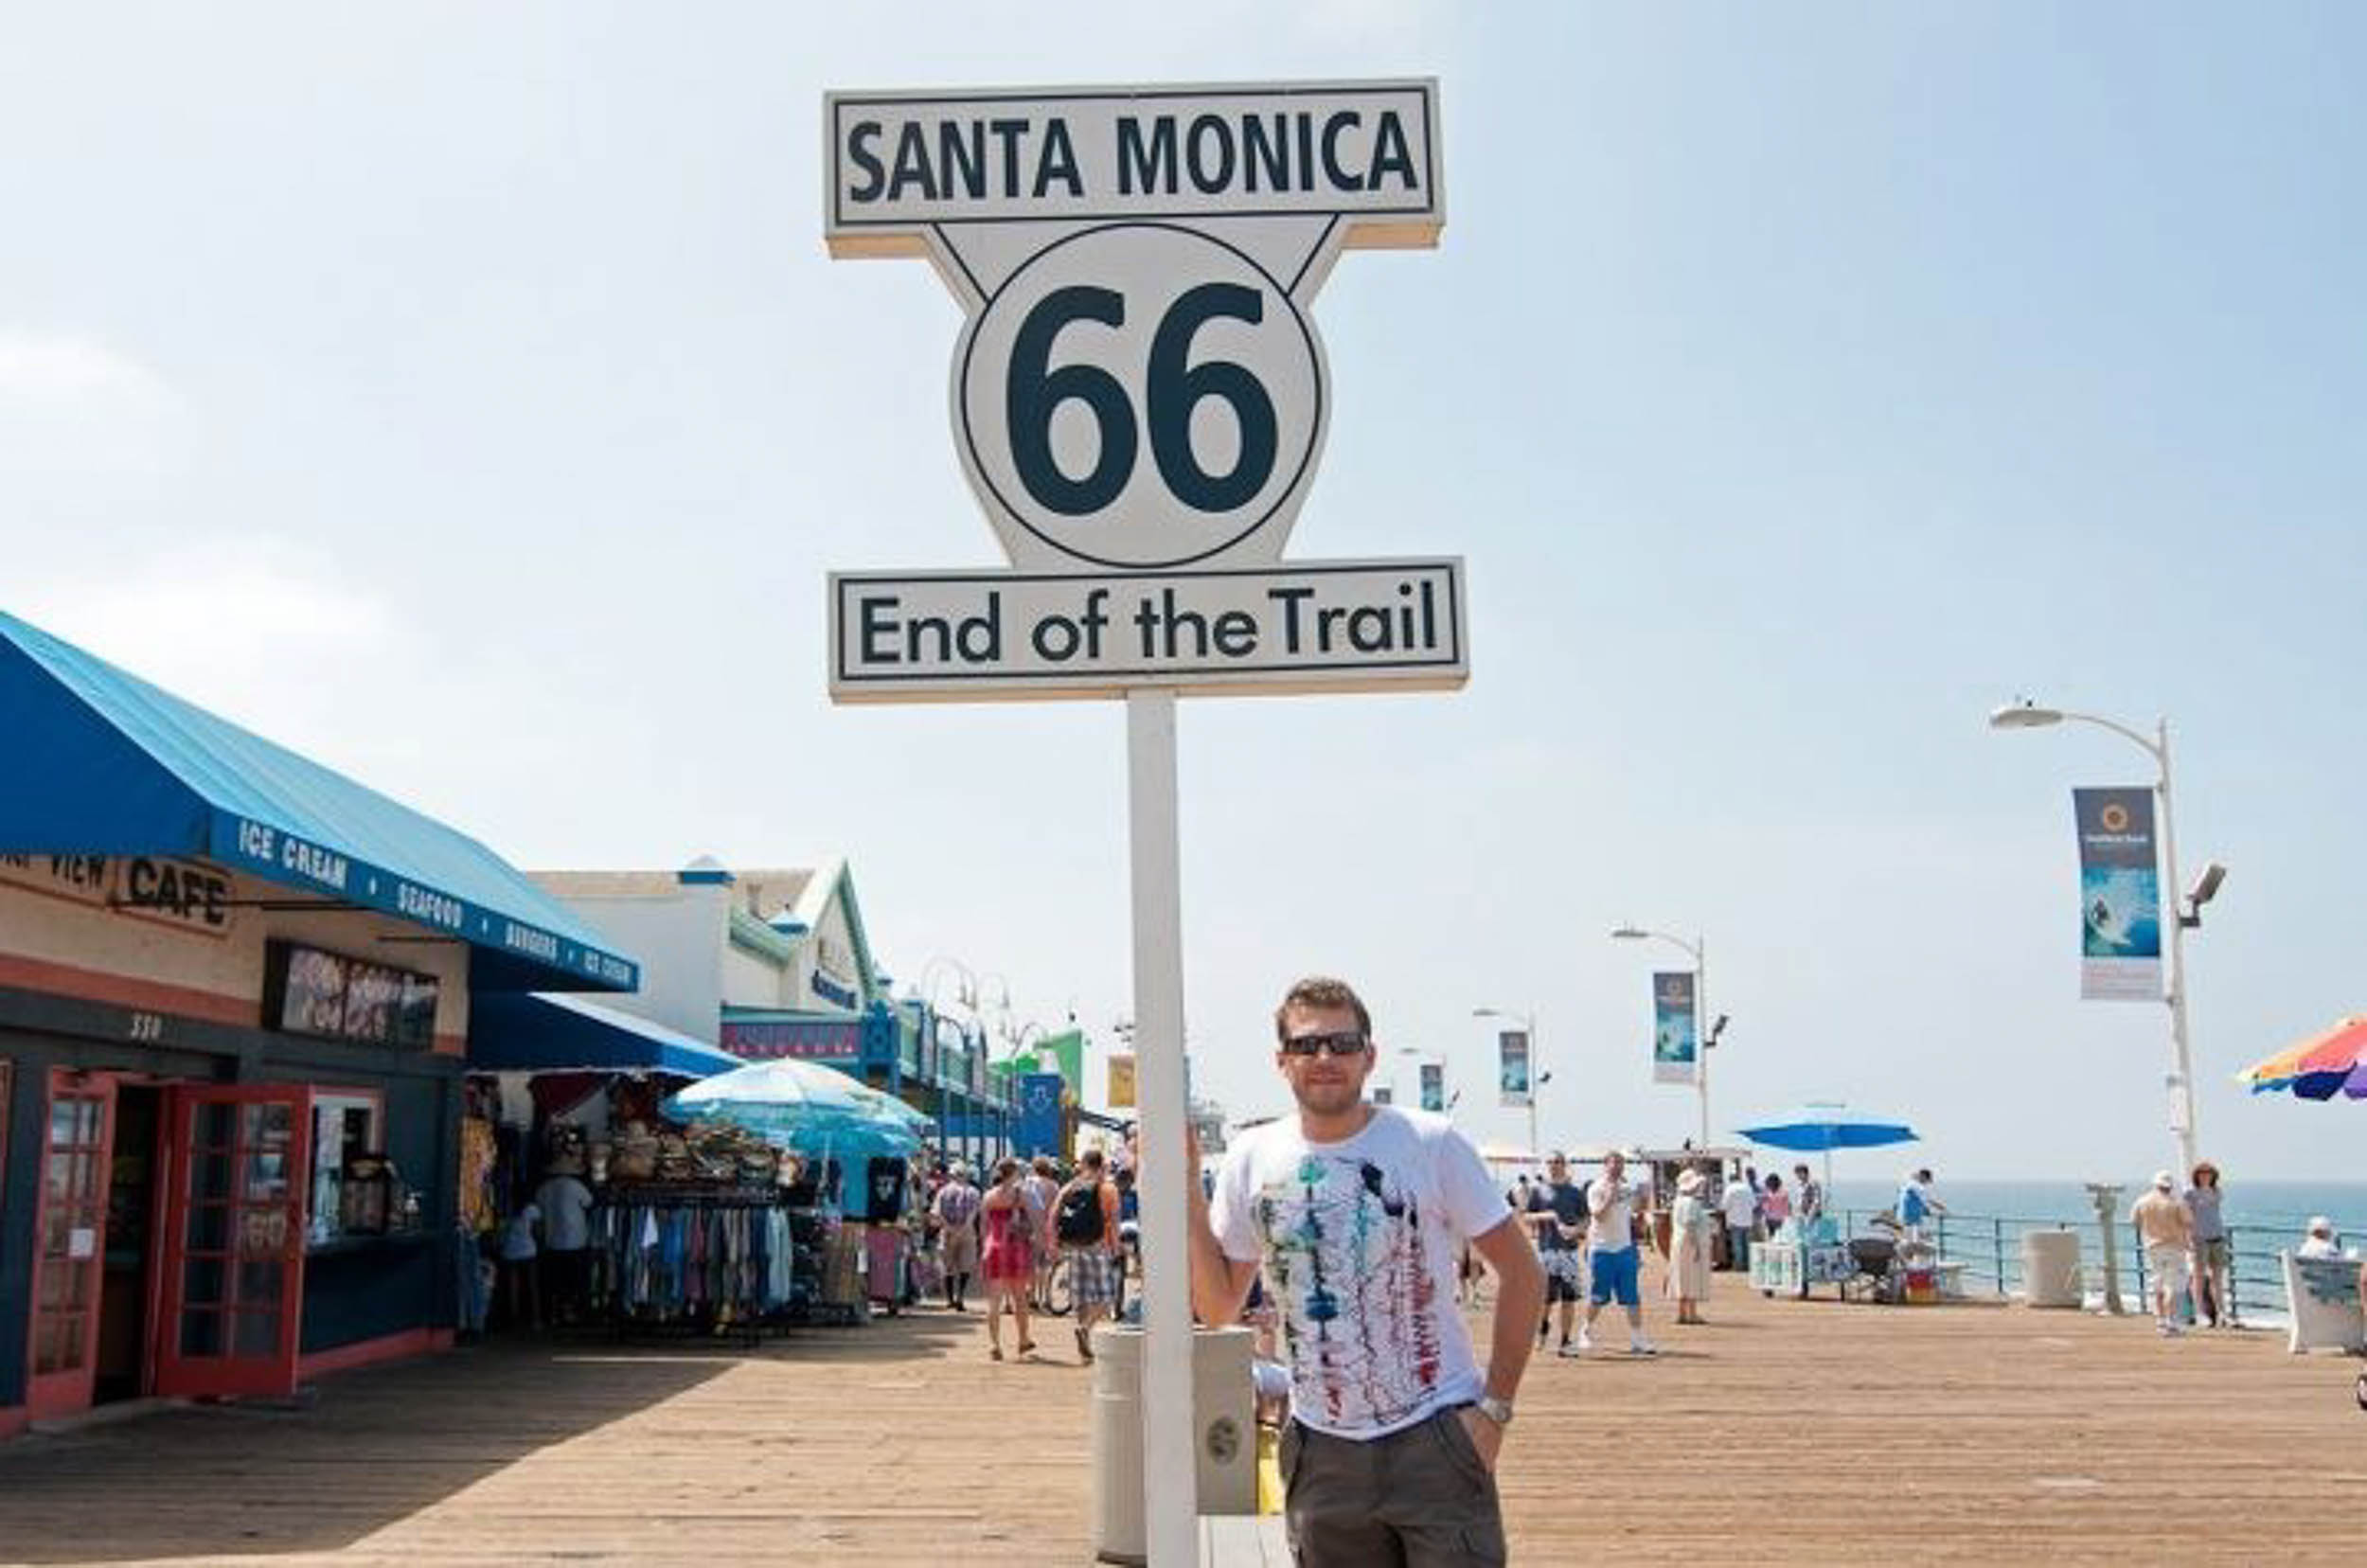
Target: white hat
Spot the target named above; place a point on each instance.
(2321, 1225)
(2166, 1181)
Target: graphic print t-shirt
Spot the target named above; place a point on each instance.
(1360, 1242)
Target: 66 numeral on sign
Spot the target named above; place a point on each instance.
(1141, 397)
(1173, 388)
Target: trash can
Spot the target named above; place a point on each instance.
(1224, 1440)
(2049, 1269)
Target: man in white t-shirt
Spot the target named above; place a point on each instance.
(1358, 1214)
(1611, 1263)
(1739, 1205)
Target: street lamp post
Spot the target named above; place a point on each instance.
(1698, 950)
(2027, 715)
(1537, 1075)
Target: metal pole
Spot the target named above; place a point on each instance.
(2181, 1060)
(1701, 1017)
(1536, 1084)
(1170, 1504)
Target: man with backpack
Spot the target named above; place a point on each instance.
(1085, 1223)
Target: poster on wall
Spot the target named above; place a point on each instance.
(1512, 1066)
(1434, 1086)
(2120, 896)
(1676, 1031)
(1384, 1094)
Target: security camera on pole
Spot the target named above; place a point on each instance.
(1139, 399)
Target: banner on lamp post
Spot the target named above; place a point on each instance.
(1512, 1067)
(2120, 896)
(1041, 1126)
(1676, 1028)
(1434, 1086)
(1121, 1080)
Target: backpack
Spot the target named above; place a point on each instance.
(1079, 1220)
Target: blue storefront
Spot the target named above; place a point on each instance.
(235, 991)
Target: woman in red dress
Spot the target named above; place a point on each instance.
(1014, 1230)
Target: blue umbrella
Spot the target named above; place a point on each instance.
(1823, 1126)
(805, 1107)
(1827, 1126)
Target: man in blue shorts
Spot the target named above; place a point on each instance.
(1611, 1256)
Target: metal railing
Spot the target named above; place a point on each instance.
(1989, 1249)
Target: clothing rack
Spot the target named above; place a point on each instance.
(682, 1258)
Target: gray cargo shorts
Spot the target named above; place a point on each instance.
(1421, 1497)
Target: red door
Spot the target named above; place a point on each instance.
(73, 1243)
(233, 1300)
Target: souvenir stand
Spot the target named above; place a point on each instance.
(854, 1184)
(684, 1233)
(1799, 1256)
(697, 1230)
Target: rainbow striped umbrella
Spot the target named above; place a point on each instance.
(2335, 1060)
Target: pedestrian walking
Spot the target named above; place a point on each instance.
(1774, 1205)
(1356, 1214)
(954, 1212)
(1042, 1185)
(1557, 1217)
(2214, 1301)
(1086, 1223)
(520, 1280)
(565, 1261)
(1916, 1206)
(1009, 1262)
(1809, 1204)
(1690, 1230)
(1738, 1206)
(1611, 1256)
(2167, 1231)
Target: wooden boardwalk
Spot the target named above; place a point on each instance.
(1784, 1432)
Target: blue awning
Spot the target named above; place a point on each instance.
(524, 1032)
(103, 763)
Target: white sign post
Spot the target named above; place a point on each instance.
(1139, 399)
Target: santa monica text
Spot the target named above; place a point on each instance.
(1352, 149)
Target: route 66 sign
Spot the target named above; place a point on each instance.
(1139, 387)
(1140, 396)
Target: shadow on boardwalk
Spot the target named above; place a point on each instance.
(381, 1446)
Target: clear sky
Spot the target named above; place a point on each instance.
(461, 395)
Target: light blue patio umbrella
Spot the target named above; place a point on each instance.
(804, 1106)
(1825, 1126)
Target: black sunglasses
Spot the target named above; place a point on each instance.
(1345, 1042)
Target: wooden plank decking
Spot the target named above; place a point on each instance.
(1784, 1432)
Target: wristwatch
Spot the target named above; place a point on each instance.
(1495, 1410)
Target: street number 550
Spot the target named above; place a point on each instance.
(1173, 387)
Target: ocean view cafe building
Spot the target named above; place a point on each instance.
(235, 994)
